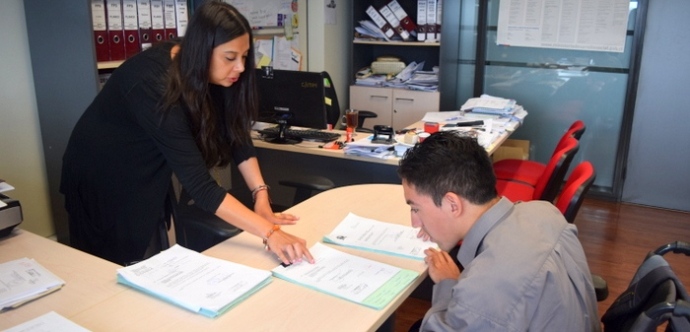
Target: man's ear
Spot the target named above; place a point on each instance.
(455, 203)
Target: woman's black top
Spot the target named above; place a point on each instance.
(118, 164)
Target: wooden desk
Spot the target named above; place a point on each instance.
(280, 306)
(313, 148)
(279, 162)
(89, 280)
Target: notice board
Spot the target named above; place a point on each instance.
(266, 13)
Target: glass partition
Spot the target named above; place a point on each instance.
(556, 87)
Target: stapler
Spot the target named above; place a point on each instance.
(380, 131)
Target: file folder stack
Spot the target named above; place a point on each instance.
(200, 283)
(429, 13)
(123, 28)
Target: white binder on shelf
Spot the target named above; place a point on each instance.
(431, 20)
(421, 20)
(181, 17)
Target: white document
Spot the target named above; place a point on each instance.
(350, 277)
(573, 24)
(373, 235)
(365, 147)
(488, 102)
(203, 284)
(4, 186)
(50, 322)
(24, 280)
(285, 53)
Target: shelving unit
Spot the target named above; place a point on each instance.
(394, 107)
(106, 65)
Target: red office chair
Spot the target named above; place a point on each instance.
(569, 202)
(549, 182)
(577, 185)
(529, 171)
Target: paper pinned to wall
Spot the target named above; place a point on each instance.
(266, 13)
(576, 25)
(278, 52)
(286, 54)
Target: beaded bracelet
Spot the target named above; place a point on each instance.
(269, 233)
(259, 188)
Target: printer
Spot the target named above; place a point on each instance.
(10, 212)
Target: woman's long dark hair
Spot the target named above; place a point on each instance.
(216, 130)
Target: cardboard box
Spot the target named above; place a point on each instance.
(512, 149)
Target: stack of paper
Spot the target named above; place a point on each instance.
(368, 29)
(203, 284)
(52, 321)
(365, 147)
(373, 235)
(490, 105)
(24, 280)
(412, 78)
(350, 277)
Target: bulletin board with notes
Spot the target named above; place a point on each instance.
(266, 13)
(276, 25)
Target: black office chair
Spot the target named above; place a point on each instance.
(306, 186)
(199, 230)
(195, 228)
(655, 296)
(363, 115)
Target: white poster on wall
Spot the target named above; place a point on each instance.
(595, 25)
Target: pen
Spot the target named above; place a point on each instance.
(470, 123)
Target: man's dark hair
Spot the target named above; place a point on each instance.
(447, 161)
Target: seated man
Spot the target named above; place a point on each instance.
(524, 267)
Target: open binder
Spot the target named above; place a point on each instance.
(203, 284)
(353, 278)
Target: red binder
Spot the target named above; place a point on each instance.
(387, 13)
(130, 21)
(380, 22)
(157, 21)
(145, 31)
(405, 20)
(116, 34)
(100, 30)
(169, 19)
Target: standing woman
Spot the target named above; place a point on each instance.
(181, 107)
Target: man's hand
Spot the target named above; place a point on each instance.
(441, 265)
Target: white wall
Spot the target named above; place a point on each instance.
(21, 150)
(329, 45)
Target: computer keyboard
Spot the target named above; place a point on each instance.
(305, 134)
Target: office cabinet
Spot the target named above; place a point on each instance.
(398, 108)
(365, 51)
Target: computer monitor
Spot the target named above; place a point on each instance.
(302, 99)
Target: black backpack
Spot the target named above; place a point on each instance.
(655, 296)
